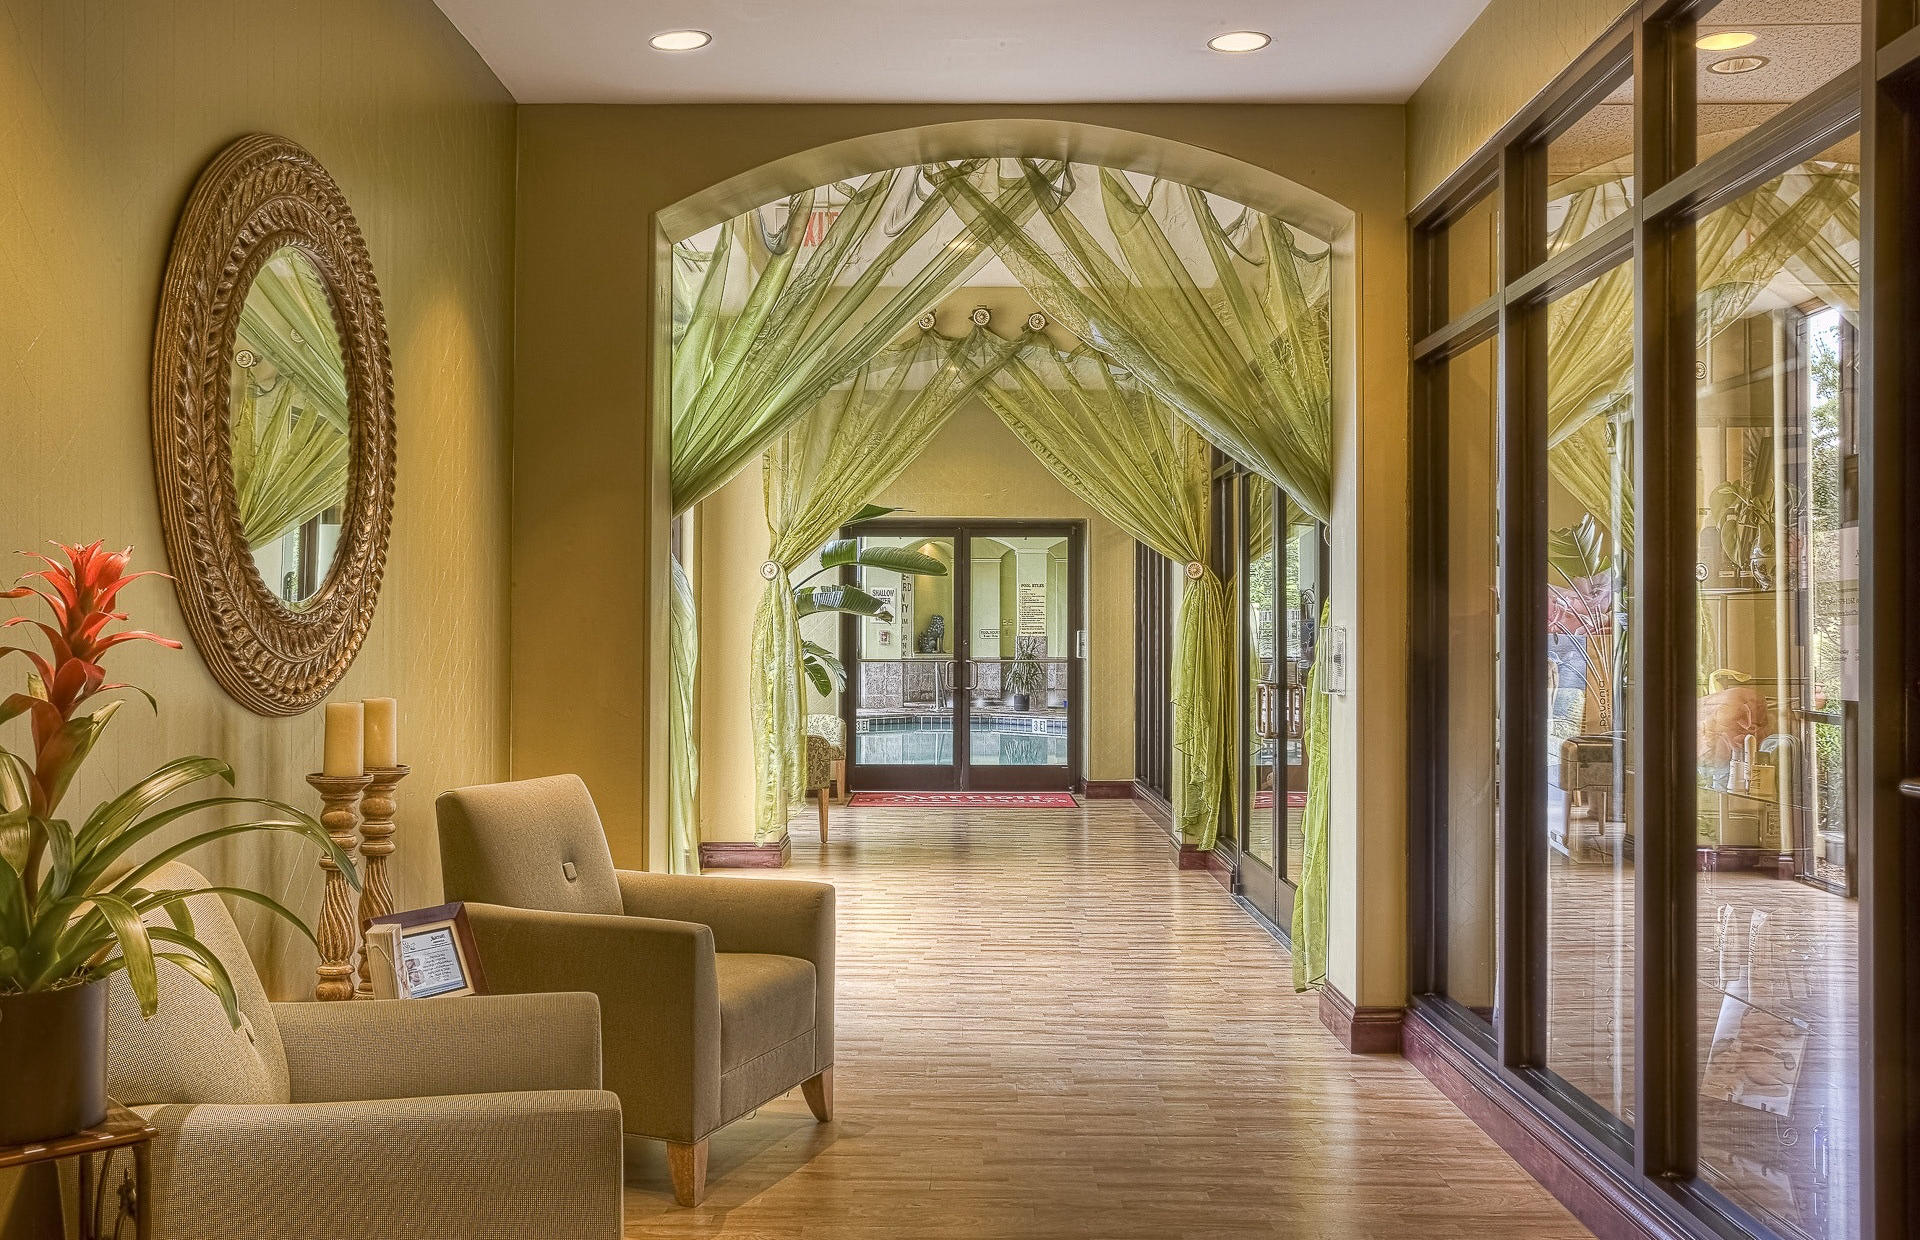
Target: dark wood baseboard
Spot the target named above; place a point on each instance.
(1589, 1189)
(725, 855)
(1363, 1031)
(1108, 790)
(1207, 859)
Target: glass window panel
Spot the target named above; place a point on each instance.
(1017, 707)
(1759, 57)
(1472, 268)
(1266, 778)
(906, 662)
(1590, 170)
(1304, 592)
(1590, 898)
(1778, 567)
(1472, 811)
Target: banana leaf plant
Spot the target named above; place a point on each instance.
(823, 668)
(74, 897)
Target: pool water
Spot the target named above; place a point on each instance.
(995, 740)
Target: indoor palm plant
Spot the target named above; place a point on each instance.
(73, 897)
(1027, 676)
(822, 667)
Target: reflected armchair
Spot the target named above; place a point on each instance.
(716, 994)
(479, 1116)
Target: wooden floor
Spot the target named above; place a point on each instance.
(1045, 1030)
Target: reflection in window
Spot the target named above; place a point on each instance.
(1590, 898)
(1778, 998)
(1590, 170)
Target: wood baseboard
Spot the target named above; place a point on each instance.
(1363, 1031)
(1207, 859)
(727, 855)
(1590, 1190)
(1107, 789)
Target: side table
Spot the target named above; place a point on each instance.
(120, 1129)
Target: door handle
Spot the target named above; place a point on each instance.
(973, 675)
(1910, 787)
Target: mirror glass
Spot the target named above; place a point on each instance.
(291, 433)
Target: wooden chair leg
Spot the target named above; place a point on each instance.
(819, 1094)
(689, 1166)
(823, 813)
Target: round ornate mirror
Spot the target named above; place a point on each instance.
(273, 426)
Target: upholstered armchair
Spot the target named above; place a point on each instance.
(475, 1117)
(716, 994)
(826, 756)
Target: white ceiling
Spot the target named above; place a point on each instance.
(961, 51)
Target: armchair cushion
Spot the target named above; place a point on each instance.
(189, 1052)
(765, 1002)
(427, 1047)
(537, 843)
(478, 1166)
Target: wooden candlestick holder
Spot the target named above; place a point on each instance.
(337, 932)
(376, 845)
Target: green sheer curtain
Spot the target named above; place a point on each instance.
(771, 311)
(1135, 461)
(290, 439)
(817, 476)
(1221, 311)
(1310, 901)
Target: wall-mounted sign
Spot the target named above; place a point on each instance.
(1033, 608)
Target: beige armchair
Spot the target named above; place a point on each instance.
(716, 994)
(473, 1117)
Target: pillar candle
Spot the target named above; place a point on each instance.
(344, 745)
(383, 744)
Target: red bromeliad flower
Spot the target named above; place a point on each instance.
(80, 594)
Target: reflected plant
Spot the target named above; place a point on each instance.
(823, 669)
(1580, 603)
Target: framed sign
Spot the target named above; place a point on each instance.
(433, 953)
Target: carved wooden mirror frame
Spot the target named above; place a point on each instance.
(261, 194)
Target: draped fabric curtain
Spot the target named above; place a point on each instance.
(1805, 221)
(290, 439)
(1121, 448)
(843, 451)
(1227, 320)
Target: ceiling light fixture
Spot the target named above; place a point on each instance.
(1737, 64)
(1725, 41)
(680, 40)
(1239, 41)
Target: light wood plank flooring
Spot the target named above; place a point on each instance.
(1045, 1030)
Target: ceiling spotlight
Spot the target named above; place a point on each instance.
(1737, 64)
(1725, 41)
(680, 40)
(1239, 41)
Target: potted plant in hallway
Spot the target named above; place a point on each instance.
(1026, 677)
(71, 912)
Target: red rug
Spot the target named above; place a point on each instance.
(995, 800)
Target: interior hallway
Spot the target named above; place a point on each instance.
(1048, 1031)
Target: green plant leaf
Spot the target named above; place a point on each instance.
(818, 677)
(871, 512)
(112, 816)
(102, 857)
(839, 551)
(16, 781)
(217, 979)
(74, 742)
(136, 948)
(196, 968)
(170, 896)
(811, 600)
(902, 560)
(309, 828)
(16, 838)
(60, 855)
(1578, 551)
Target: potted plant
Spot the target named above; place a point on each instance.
(73, 894)
(1026, 677)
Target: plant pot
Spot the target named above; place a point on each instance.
(53, 1044)
(1018, 701)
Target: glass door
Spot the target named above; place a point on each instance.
(903, 667)
(970, 682)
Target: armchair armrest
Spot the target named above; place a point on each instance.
(486, 1166)
(659, 1002)
(779, 916)
(422, 1048)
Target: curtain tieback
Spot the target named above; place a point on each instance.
(1195, 570)
(769, 569)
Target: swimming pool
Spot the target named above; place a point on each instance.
(994, 740)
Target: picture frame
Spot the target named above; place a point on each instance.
(437, 957)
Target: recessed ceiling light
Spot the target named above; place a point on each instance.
(680, 40)
(1239, 41)
(1725, 41)
(1737, 64)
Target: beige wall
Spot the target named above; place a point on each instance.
(587, 472)
(974, 467)
(1509, 54)
(108, 112)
